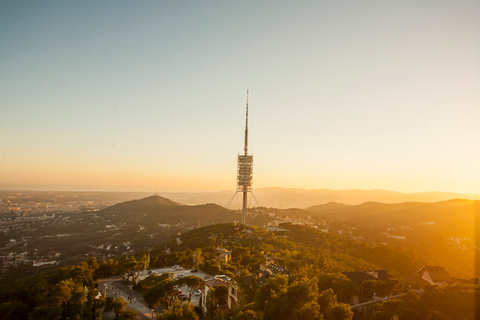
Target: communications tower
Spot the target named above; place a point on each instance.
(245, 170)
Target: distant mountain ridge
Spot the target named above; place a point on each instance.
(305, 198)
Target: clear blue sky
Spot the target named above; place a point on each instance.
(151, 94)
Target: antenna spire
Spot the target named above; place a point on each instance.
(246, 128)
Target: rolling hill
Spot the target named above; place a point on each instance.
(155, 209)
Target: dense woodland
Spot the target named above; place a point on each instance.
(316, 290)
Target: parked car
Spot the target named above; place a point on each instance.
(194, 270)
(198, 292)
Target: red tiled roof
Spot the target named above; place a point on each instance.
(216, 283)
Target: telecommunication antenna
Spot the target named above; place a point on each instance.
(244, 175)
(245, 170)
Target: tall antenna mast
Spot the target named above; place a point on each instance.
(245, 170)
(246, 129)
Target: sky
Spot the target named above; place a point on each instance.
(150, 95)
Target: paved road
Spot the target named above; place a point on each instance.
(114, 287)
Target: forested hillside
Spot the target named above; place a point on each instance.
(445, 233)
(314, 288)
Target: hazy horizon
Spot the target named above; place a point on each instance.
(140, 189)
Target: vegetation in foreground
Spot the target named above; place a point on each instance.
(315, 290)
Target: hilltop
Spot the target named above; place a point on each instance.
(155, 209)
(146, 203)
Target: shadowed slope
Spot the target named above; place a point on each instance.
(156, 209)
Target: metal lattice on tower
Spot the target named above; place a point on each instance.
(245, 170)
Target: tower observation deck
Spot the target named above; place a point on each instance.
(245, 170)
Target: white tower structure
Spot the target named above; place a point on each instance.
(245, 170)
